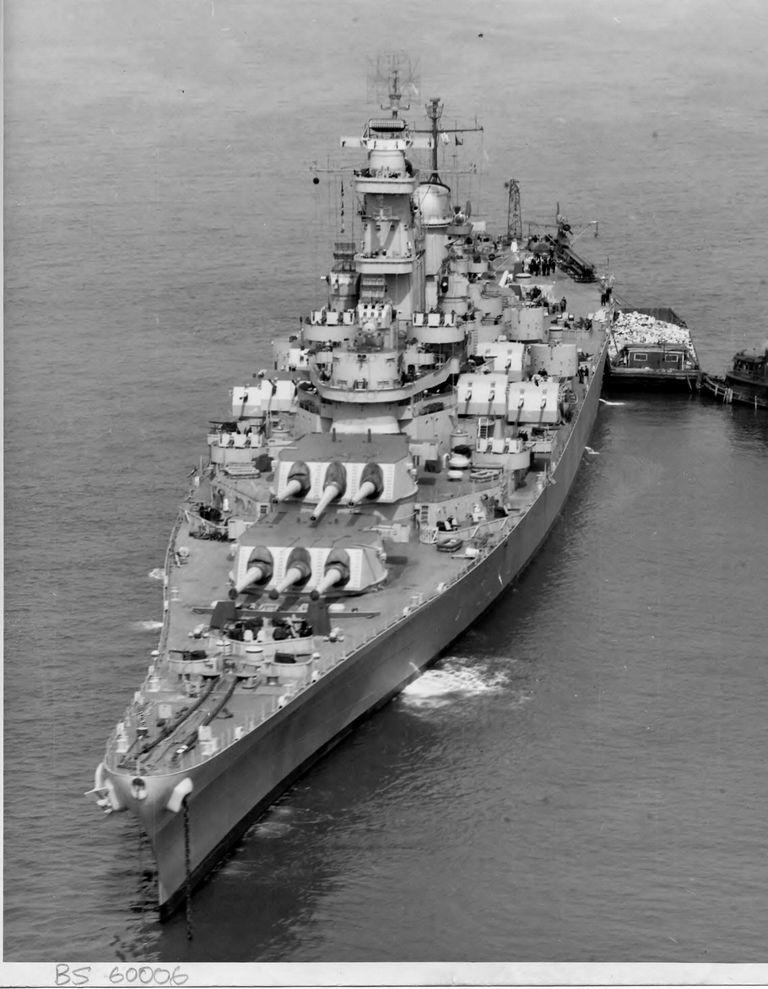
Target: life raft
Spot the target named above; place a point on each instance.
(450, 545)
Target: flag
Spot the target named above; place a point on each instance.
(444, 138)
(457, 139)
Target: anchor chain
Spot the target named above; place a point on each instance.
(188, 879)
(142, 880)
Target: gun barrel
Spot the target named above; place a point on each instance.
(330, 493)
(298, 572)
(253, 575)
(293, 487)
(366, 490)
(257, 574)
(332, 576)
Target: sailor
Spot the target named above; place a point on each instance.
(293, 626)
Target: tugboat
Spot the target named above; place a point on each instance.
(362, 503)
(746, 383)
(650, 349)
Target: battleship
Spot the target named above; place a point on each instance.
(362, 502)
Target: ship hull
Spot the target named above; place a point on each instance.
(730, 393)
(232, 789)
(618, 379)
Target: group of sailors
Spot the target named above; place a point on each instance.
(275, 629)
(230, 435)
(478, 515)
(542, 264)
(606, 286)
(451, 524)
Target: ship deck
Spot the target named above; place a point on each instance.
(197, 578)
(417, 570)
(582, 299)
(198, 583)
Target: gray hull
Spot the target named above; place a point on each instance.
(232, 789)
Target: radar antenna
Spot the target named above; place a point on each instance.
(392, 78)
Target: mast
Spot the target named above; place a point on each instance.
(514, 215)
(434, 109)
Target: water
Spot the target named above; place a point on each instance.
(582, 778)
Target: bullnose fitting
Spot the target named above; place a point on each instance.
(182, 789)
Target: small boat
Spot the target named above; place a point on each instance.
(746, 383)
(651, 349)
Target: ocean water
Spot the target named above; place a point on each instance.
(582, 777)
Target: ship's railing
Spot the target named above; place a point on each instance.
(477, 528)
(434, 319)
(384, 172)
(170, 559)
(388, 254)
(332, 317)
